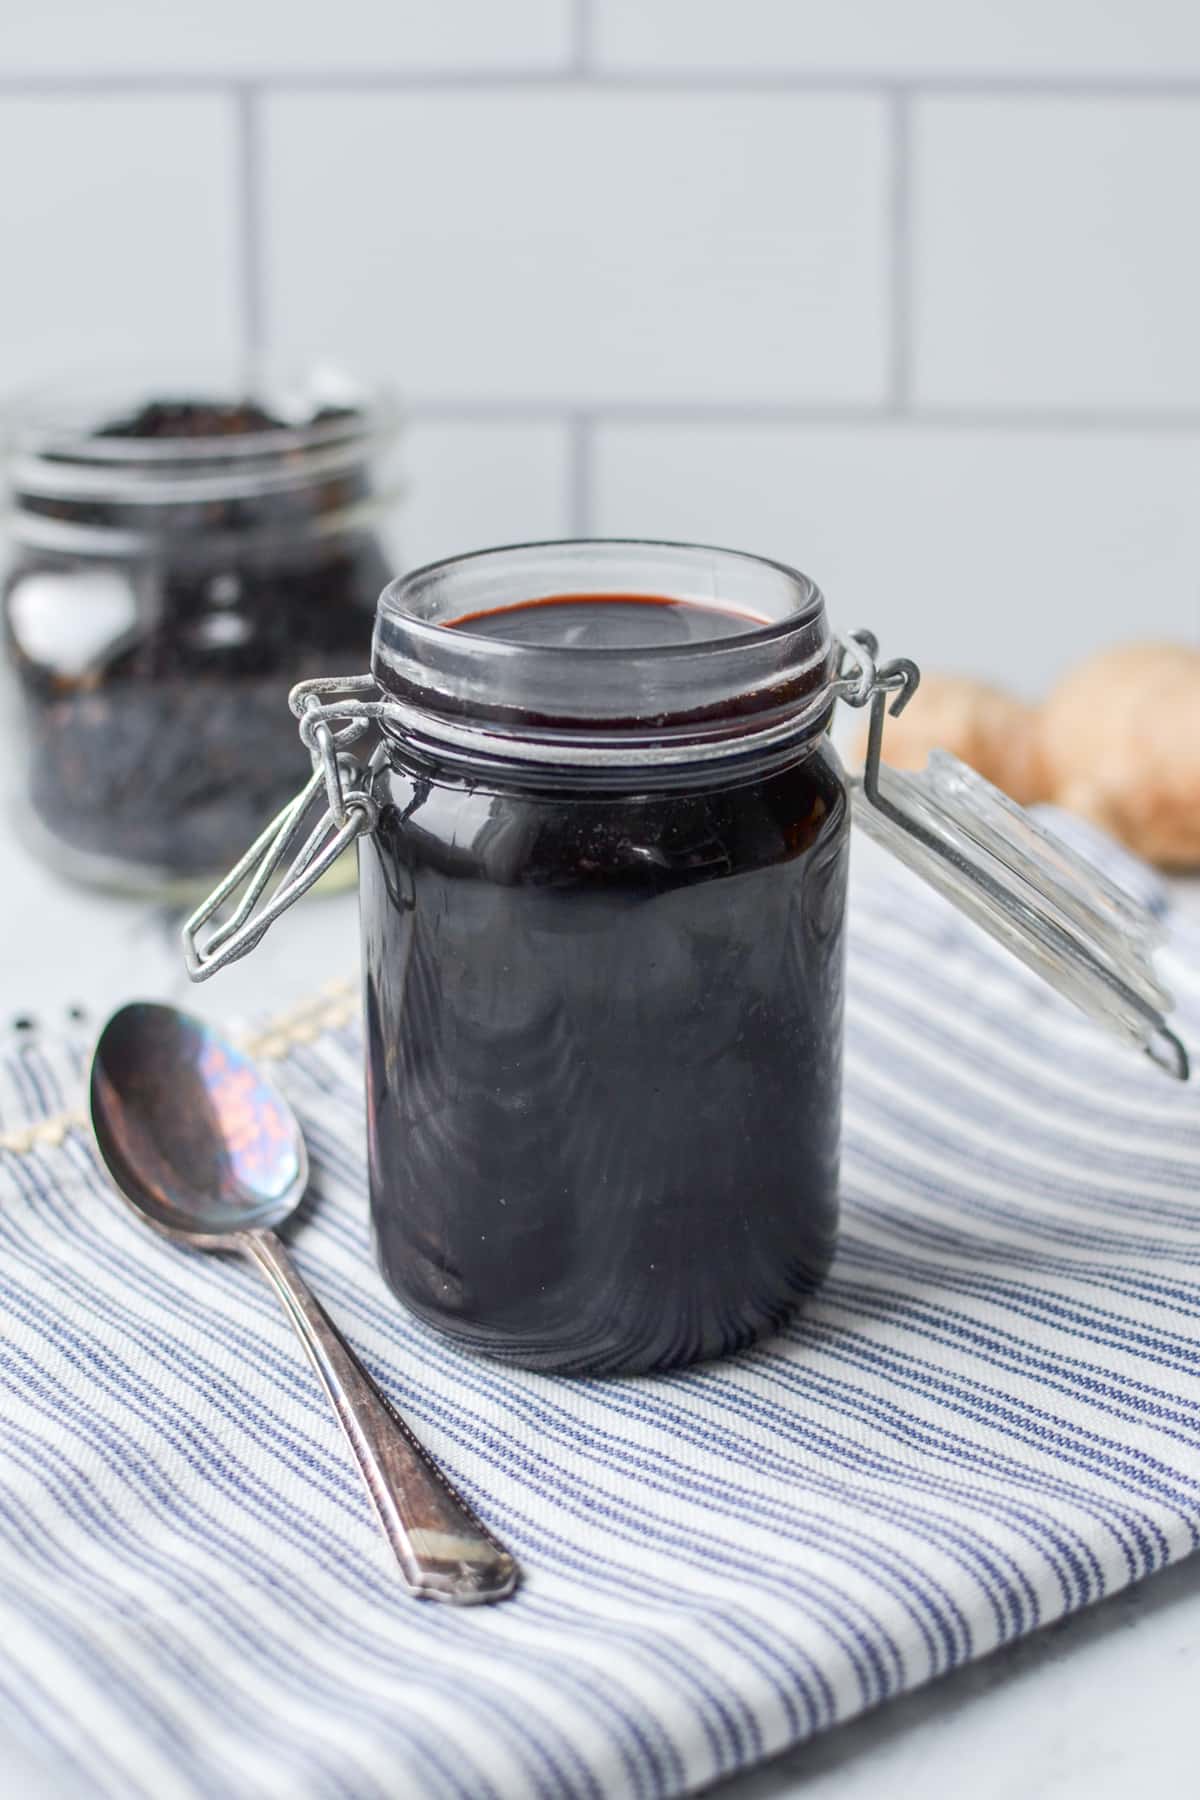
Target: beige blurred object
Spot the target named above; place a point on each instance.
(995, 733)
(1120, 739)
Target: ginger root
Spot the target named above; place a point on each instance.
(992, 731)
(1120, 737)
(1118, 741)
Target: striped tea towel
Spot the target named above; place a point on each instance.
(990, 1416)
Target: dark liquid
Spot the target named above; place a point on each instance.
(604, 1029)
(609, 622)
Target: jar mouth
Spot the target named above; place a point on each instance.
(75, 489)
(450, 653)
(56, 443)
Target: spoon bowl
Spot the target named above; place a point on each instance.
(195, 1137)
(208, 1153)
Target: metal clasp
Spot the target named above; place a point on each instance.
(327, 729)
(862, 680)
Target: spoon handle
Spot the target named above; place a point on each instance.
(444, 1551)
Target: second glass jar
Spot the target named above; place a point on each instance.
(175, 567)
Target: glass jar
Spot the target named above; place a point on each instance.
(602, 930)
(175, 567)
(603, 848)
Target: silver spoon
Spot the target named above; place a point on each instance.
(207, 1152)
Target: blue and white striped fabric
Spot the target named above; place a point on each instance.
(990, 1417)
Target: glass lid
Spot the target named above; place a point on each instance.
(1054, 910)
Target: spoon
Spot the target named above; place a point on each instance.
(208, 1153)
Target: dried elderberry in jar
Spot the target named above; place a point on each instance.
(177, 560)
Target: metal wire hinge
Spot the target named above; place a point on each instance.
(864, 681)
(327, 729)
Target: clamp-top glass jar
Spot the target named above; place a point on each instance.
(176, 566)
(603, 841)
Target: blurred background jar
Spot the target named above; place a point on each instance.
(178, 556)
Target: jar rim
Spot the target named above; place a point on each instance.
(392, 599)
(647, 701)
(52, 444)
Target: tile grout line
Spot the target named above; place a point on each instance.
(580, 70)
(582, 22)
(250, 222)
(900, 250)
(580, 475)
(585, 417)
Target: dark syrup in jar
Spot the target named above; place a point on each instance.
(604, 1030)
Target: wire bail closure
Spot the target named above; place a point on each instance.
(1028, 889)
(332, 714)
(349, 812)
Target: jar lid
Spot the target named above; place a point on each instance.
(1050, 908)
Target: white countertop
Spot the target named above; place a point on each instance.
(1097, 1707)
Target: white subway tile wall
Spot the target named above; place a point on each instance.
(1002, 551)
(904, 293)
(475, 483)
(118, 232)
(1055, 253)
(585, 247)
(247, 37)
(903, 37)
